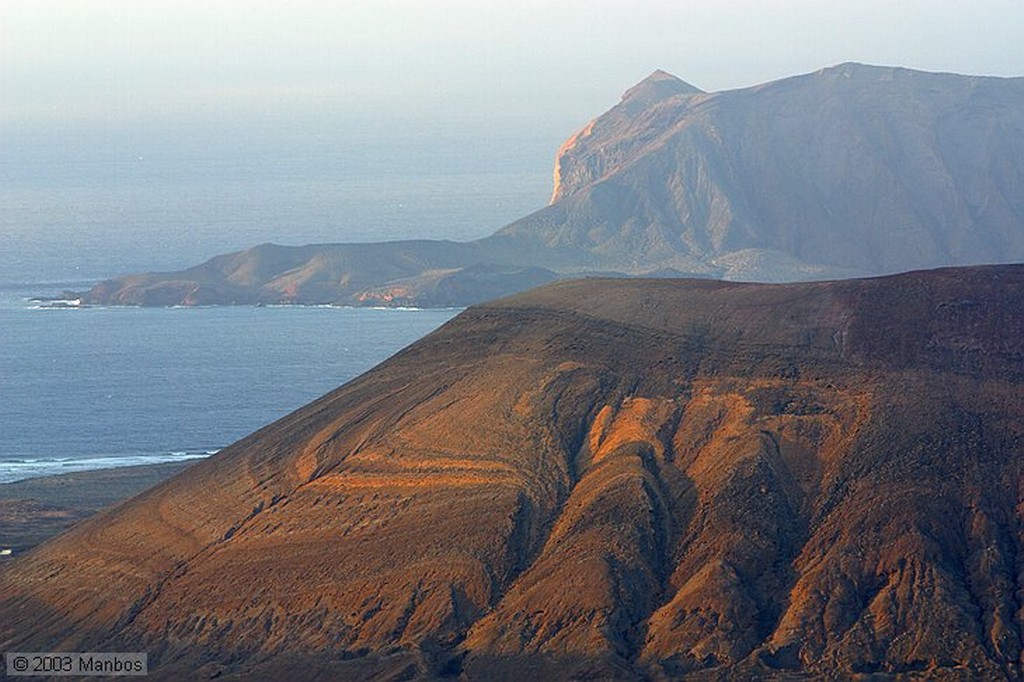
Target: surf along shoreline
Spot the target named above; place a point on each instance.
(35, 509)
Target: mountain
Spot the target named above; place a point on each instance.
(849, 171)
(601, 479)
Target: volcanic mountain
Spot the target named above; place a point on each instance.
(601, 478)
(849, 171)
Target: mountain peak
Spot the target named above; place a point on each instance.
(658, 86)
(662, 75)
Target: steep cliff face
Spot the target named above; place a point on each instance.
(607, 142)
(851, 169)
(613, 478)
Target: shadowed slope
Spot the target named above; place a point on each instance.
(600, 477)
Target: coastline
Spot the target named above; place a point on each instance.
(36, 509)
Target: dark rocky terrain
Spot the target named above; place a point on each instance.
(598, 479)
(849, 171)
(36, 509)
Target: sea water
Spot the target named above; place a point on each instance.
(95, 387)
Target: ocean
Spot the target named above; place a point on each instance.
(96, 387)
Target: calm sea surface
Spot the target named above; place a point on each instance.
(96, 387)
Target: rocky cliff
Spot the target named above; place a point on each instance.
(851, 169)
(611, 479)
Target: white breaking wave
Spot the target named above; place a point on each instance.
(21, 469)
(56, 304)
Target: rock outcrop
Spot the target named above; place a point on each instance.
(613, 479)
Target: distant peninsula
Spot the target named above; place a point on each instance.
(849, 171)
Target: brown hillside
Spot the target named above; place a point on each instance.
(603, 479)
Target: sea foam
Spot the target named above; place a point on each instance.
(34, 467)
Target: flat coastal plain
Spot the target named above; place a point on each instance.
(36, 509)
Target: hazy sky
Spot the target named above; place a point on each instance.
(74, 62)
(242, 121)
